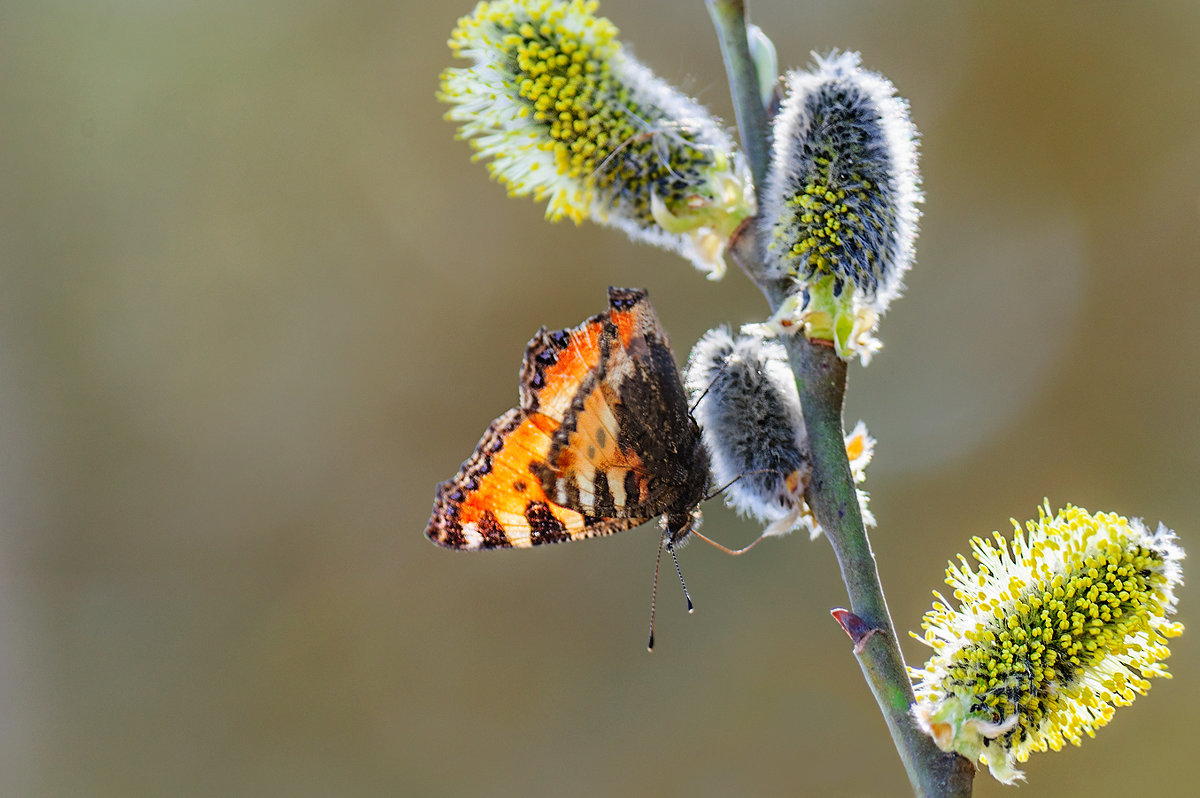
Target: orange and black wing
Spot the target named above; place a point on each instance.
(496, 500)
(602, 440)
(627, 446)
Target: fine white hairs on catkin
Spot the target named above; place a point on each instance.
(750, 417)
(843, 185)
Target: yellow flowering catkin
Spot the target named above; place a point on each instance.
(564, 114)
(1053, 632)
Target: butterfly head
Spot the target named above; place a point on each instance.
(677, 527)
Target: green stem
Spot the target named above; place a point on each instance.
(821, 380)
(729, 18)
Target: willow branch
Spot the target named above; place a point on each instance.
(729, 18)
(821, 380)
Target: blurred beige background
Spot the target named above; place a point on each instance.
(257, 302)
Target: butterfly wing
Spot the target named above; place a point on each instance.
(602, 440)
(495, 501)
(627, 446)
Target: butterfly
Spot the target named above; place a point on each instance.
(601, 441)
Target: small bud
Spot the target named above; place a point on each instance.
(766, 63)
(749, 414)
(565, 114)
(859, 631)
(1053, 632)
(840, 209)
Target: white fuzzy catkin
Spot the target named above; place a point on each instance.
(843, 188)
(839, 213)
(753, 427)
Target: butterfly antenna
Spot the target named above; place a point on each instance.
(725, 487)
(711, 383)
(654, 599)
(691, 607)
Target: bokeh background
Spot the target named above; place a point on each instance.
(256, 302)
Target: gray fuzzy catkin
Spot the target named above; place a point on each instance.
(843, 185)
(752, 425)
